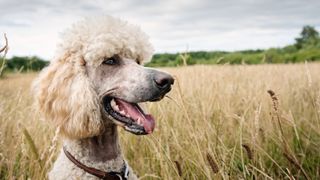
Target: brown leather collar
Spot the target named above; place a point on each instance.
(112, 175)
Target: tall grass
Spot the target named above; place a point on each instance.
(219, 122)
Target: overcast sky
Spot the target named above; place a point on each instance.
(33, 26)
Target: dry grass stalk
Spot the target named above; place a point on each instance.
(185, 56)
(4, 49)
(276, 112)
(308, 74)
(248, 151)
(32, 146)
(291, 159)
(262, 135)
(290, 174)
(274, 100)
(213, 165)
(48, 155)
(256, 124)
(6, 46)
(179, 169)
(286, 148)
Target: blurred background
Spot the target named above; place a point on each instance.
(255, 31)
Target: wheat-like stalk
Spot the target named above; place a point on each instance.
(4, 49)
(32, 145)
(179, 169)
(286, 148)
(213, 165)
(249, 151)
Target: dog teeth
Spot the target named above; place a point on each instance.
(139, 121)
(116, 108)
(114, 105)
(122, 112)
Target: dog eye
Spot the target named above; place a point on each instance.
(110, 61)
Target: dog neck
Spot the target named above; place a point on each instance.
(101, 151)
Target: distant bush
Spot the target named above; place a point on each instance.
(25, 64)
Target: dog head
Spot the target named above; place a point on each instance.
(96, 79)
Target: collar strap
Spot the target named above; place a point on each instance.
(112, 175)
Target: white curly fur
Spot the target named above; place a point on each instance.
(65, 95)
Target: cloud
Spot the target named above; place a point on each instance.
(33, 26)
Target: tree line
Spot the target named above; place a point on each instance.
(23, 64)
(305, 48)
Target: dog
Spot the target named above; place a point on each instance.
(92, 86)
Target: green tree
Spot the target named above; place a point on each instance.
(309, 36)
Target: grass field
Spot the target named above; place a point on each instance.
(220, 122)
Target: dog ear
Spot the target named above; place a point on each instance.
(65, 96)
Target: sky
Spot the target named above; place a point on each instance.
(33, 27)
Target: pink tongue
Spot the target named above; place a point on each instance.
(146, 119)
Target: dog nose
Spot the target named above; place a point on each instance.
(163, 80)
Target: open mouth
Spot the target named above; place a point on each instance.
(129, 115)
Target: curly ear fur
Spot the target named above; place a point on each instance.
(65, 96)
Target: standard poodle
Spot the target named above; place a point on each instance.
(94, 85)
